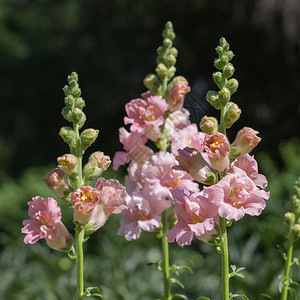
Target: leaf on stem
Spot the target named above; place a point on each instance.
(88, 292)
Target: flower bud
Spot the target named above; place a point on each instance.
(161, 51)
(228, 71)
(98, 163)
(232, 85)
(171, 60)
(73, 76)
(219, 79)
(161, 71)
(296, 231)
(69, 101)
(78, 116)
(209, 125)
(229, 54)
(79, 103)
(213, 98)
(173, 51)
(67, 113)
(68, 135)
(224, 44)
(246, 140)
(176, 80)
(171, 72)
(224, 96)
(68, 163)
(232, 114)
(167, 42)
(290, 217)
(152, 82)
(88, 137)
(58, 181)
(176, 96)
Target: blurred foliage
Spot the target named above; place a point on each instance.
(122, 268)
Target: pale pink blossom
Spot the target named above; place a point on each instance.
(217, 148)
(236, 195)
(196, 217)
(84, 200)
(45, 222)
(176, 96)
(247, 163)
(187, 137)
(246, 140)
(142, 213)
(134, 146)
(162, 177)
(145, 114)
(191, 161)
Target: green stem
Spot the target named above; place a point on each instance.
(165, 249)
(79, 236)
(222, 127)
(287, 268)
(78, 154)
(225, 260)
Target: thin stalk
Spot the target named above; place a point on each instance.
(287, 269)
(79, 236)
(222, 127)
(225, 260)
(165, 249)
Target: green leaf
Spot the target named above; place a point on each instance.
(267, 296)
(176, 281)
(237, 295)
(88, 292)
(203, 298)
(180, 296)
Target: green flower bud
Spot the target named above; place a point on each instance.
(209, 125)
(232, 114)
(229, 54)
(219, 50)
(76, 92)
(296, 231)
(213, 98)
(67, 90)
(171, 60)
(224, 96)
(78, 115)
(168, 31)
(224, 59)
(224, 44)
(79, 103)
(67, 113)
(290, 218)
(167, 42)
(68, 135)
(69, 101)
(173, 51)
(161, 51)
(219, 79)
(228, 71)
(152, 82)
(73, 83)
(171, 72)
(88, 137)
(232, 85)
(218, 64)
(72, 77)
(161, 71)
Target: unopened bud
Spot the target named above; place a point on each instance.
(232, 114)
(161, 51)
(68, 163)
(161, 71)
(296, 231)
(224, 96)
(209, 125)
(232, 85)
(173, 51)
(228, 71)
(229, 54)
(98, 163)
(69, 101)
(68, 135)
(80, 103)
(171, 60)
(219, 79)
(213, 98)
(290, 217)
(78, 115)
(152, 82)
(67, 113)
(58, 181)
(167, 42)
(171, 72)
(88, 137)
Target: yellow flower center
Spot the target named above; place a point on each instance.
(88, 197)
(214, 145)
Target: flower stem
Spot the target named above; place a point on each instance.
(222, 127)
(165, 249)
(79, 236)
(287, 268)
(225, 260)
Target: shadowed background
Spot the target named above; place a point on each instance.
(112, 46)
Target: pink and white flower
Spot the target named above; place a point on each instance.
(134, 146)
(247, 163)
(196, 215)
(217, 148)
(176, 96)
(45, 222)
(142, 213)
(144, 115)
(236, 195)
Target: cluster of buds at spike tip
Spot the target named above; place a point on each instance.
(98, 163)
(166, 60)
(222, 78)
(292, 217)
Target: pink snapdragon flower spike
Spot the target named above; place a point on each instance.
(196, 215)
(188, 136)
(217, 148)
(246, 140)
(45, 222)
(236, 195)
(191, 161)
(176, 96)
(162, 177)
(134, 146)
(144, 115)
(247, 163)
(142, 213)
(84, 200)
